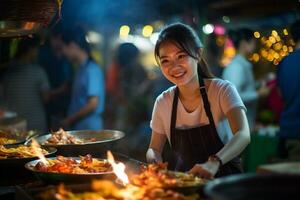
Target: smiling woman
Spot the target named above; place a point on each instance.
(202, 117)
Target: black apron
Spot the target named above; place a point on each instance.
(195, 145)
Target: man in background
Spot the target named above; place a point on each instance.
(289, 84)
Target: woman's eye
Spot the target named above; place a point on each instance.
(181, 56)
(164, 61)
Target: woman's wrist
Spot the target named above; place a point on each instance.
(215, 158)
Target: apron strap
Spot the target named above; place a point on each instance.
(205, 100)
(174, 112)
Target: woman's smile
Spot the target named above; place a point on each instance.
(177, 65)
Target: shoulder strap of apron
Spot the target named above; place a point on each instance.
(174, 109)
(205, 100)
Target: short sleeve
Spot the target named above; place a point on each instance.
(156, 123)
(229, 98)
(95, 81)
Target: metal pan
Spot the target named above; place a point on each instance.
(254, 186)
(102, 140)
(19, 137)
(52, 177)
(12, 170)
(22, 161)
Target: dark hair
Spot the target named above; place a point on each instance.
(239, 35)
(295, 30)
(25, 44)
(187, 39)
(76, 35)
(127, 53)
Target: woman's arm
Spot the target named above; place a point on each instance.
(241, 138)
(241, 135)
(156, 147)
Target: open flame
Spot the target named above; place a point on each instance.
(38, 151)
(118, 168)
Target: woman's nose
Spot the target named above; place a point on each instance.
(175, 63)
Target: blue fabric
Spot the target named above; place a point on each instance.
(289, 83)
(89, 81)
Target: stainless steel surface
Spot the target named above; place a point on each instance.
(254, 186)
(102, 136)
(22, 161)
(53, 177)
(20, 136)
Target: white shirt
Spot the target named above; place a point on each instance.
(222, 96)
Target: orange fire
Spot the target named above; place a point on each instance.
(38, 151)
(118, 168)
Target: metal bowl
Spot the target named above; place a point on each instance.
(53, 177)
(101, 142)
(12, 170)
(254, 186)
(16, 162)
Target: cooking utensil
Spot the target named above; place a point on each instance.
(53, 177)
(254, 186)
(95, 142)
(12, 170)
(21, 17)
(21, 161)
(20, 137)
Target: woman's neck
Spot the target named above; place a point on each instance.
(189, 91)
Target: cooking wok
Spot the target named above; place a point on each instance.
(54, 177)
(254, 186)
(20, 137)
(21, 161)
(95, 141)
(12, 170)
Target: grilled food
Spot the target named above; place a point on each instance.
(86, 165)
(62, 137)
(21, 151)
(157, 176)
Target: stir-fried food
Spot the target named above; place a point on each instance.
(157, 176)
(5, 140)
(62, 137)
(21, 151)
(106, 190)
(86, 164)
(11, 137)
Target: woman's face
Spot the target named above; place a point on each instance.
(176, 65)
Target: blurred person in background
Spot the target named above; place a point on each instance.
(88, 90)
(131, 97)
(240, 72)
(60, 74)
(213, 55)
(202, 117)
(128, 87)
(288, 76)
(26, 87)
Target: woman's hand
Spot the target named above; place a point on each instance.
(206, 170)
(153, 156)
